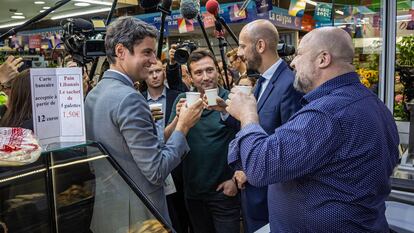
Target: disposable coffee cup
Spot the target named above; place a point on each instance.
(245, 89)
(192, 97)
(211, 95)
(154, 106)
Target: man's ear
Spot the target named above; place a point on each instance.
(324, 59)
(120, 51)
(260, 46)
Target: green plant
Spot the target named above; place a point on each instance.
(406, 49)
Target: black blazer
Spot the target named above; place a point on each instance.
(170, 98)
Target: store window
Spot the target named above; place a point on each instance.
(404, 62)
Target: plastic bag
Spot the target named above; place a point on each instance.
(18, 147)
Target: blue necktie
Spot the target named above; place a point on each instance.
(258, 87)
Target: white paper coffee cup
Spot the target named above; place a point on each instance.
(212, 95)
(153, 106)
(192, 97)
(245, 89)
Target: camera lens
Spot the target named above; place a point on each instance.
(181, 55)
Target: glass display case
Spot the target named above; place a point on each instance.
(74, 188)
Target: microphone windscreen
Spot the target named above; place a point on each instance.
(149, 4)
(83, 25)
(213, 7)
(189, 9)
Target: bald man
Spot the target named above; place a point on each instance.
(277, 101)
(331, 162)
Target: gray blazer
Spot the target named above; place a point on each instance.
(119, 117)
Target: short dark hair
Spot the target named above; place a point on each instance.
(199, 54)
(128, 31)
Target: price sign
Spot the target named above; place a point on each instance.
(57, 102)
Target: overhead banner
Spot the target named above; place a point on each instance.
(281, 18)
(263, 6)
(236, 14)
(297, 8)
(323, 12)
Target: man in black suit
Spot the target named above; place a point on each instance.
(158, 93)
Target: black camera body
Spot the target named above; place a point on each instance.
(183, 51)
(285, 50)
(83, 40)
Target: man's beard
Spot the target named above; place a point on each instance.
(255, 62)
(302, 83)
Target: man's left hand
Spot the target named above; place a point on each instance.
(229, 188)
(242, 107)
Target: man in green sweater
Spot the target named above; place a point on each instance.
(210, 193)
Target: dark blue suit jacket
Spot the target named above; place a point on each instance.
(277, 104)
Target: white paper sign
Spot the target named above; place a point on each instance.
(57, 102)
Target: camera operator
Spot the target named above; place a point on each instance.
(177, 74)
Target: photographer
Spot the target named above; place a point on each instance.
(177, 74)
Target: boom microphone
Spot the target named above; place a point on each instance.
(149, 4)
(189, 8)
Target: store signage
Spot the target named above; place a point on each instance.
(263, 6)
(35, 42)
(323, 12)
(297, 8)
(283, 19)
(57, 103)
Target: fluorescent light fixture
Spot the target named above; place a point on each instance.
(18, 13)
(18, 17)
(97, 2)
(82, 4)
(81, 13)
(7, 25)
(339, 12)
(46, 7)
(41, 11)
(311, 2)
(39, 2)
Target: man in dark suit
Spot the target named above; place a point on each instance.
(158, 93)
(277, 102)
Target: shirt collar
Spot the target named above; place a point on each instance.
(268, 74)
(330, 85)
(164, 94)
(123, 75)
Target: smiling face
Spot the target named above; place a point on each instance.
(204, 74)
(136, 64)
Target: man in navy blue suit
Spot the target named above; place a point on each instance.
(277, 101)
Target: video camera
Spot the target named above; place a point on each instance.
(284, 49)
(83, 39)
(183, 51)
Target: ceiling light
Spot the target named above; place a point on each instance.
(81, 13)
(82, 4)
(311, 2)
(39, 2)
(18, 17)
(339, 12)
(95, 2)
(18, 13)
(7, 25)
(41, 11)
(46, 7)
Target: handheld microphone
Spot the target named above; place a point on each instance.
(213, 7)
(189, 8)
(149, 4)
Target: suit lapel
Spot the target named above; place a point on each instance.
(271, 85)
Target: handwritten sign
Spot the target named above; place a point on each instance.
(57, 102)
